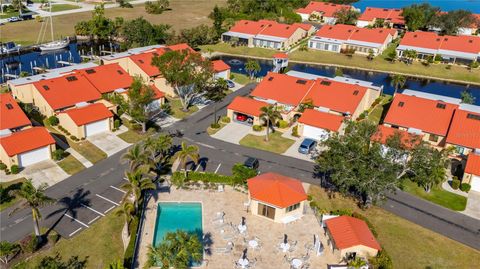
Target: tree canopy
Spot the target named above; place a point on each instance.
(140, 32)
(140, 96)
(449, 23)
(347, 16)
(418, 17)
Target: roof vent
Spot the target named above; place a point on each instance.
(45, 87)
(140, 61)
(71, 78)
(9, 106)
(355, 92)
(301, 81)
(446, 39)
(288, 27)
(120, 72)
(270, 78)
(438, 39)
(90, 71)
(326, 83)
(401, 104)
(330, 28)
(167, 49)
(470, 41)
(385, 9)
(381, 31)
(441, 106)
(415, 35)
(473, 116)
(155, 54)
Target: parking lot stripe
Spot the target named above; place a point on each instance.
(74, 232)
(106, 199)
(99, 213)
(94, 219)
(106, 211)
(120, 190)
(218, 167)
(76, 220)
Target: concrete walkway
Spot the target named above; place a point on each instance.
(79, 157)
(473, 205)
(233, 132)
(108, 142)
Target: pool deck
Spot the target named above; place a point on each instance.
(231, 202)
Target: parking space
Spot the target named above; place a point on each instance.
(233, 132)
(293, 152)
(84, 214)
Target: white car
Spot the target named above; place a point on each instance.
(13, 19)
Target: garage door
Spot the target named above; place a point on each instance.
(315, 133)
(96, 127)
(475, 184)
(222, 74)
(33, 156)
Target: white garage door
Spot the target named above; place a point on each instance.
(33, 156)
(475, 184)
(315, 133)
(222, 74)
(96, 127)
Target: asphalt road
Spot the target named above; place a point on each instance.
(92, 193)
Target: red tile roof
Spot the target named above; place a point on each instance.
(430, 40)
(280, 55)
(219, 66)
(283, 88)
(349, 232)
(88, 114)
(158, 93)
(12, 116)
(26, 140)
(305, 26)
(336, 96)
(407, 139)
(247, 106)
(267, 27)
(473, 164)
(247, 27)
(144, 60)
(420, 113)
(67, 91)
(277, 190)
(328, 9)
(350, 32)
(388, 14)
(322, 120)
(465, 129)
(107, 78)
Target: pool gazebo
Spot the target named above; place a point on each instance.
(276, 197)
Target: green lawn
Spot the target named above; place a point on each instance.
(177, 111)
(357, 61)
(241, 79)
(10, 186)
(100, 244)
(9, 14)
(88, 150)
(61, 7)
(276, 143)
(212, 131)
(71, 165)
(409, 245)
(437, 195)
(376, 114)
(132, 136)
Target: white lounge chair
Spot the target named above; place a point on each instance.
(225, 250)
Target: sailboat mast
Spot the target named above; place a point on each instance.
(51, 19)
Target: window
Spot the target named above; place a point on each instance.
(473, 116)
(71, 78)
(301, 81)
(441, 106)
(293, 207)
(319, 46)
(266, 211)
(334, 47)
(90, 71)
(433, 138)
(310, 44)
(326, 83)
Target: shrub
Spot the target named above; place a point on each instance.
(282, 124)
(53, 121)
(29, 244)
(53, 237)
(381, 261)
(295, 131)
(474, 65)
(225, 119)
(465, 187)
(257, 128)
(455, 184)
(74, 138)
(116, 124)
(167, 108)
(215, 125)
(438, 58)
(178, 178)
(156, 7)
(58, 154)
(3, 166)
(242, 173)
(449, 66)
(15, 169)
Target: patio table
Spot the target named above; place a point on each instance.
(297, 263)
(253, 243)
(243, 262)
(285, 247)
(242, 228)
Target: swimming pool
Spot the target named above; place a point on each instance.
(172, 216)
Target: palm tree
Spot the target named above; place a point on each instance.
(135, 156)
(177, 250)
(137, 183)
(357, 263)
(157, 150)
(128, 212)
(115, 265)
(270, 115)
(398, 82)
(252, 67)
(185, 153)
(34, 198)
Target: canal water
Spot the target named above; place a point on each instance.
(381, 79)
(445, 5)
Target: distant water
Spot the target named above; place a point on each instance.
(445, 5)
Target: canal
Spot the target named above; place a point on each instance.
(381, 79)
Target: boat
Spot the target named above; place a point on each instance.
(55, 45)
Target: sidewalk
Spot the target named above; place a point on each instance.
(70, 150)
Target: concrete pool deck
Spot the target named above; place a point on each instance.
(231, 202)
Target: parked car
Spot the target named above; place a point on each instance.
(230, 83)
(251, 163)
(307, 146)
(241, 117)
(13, 19)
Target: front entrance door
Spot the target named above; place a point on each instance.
(266, 211)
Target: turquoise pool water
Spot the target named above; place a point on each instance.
(177, 216)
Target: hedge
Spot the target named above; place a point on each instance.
(178, 178)
(128, 256)
(225, 119)
(257, 128)
(465, 187)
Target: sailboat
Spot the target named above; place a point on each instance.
(54, 44)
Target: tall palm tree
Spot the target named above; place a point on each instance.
(177, 250)
(128, 212)
(157, 150)
(252, 67)
(135, 156)
(185, 153)
(270, 115)
(137, 183)
(398, 82)
(33, 198)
